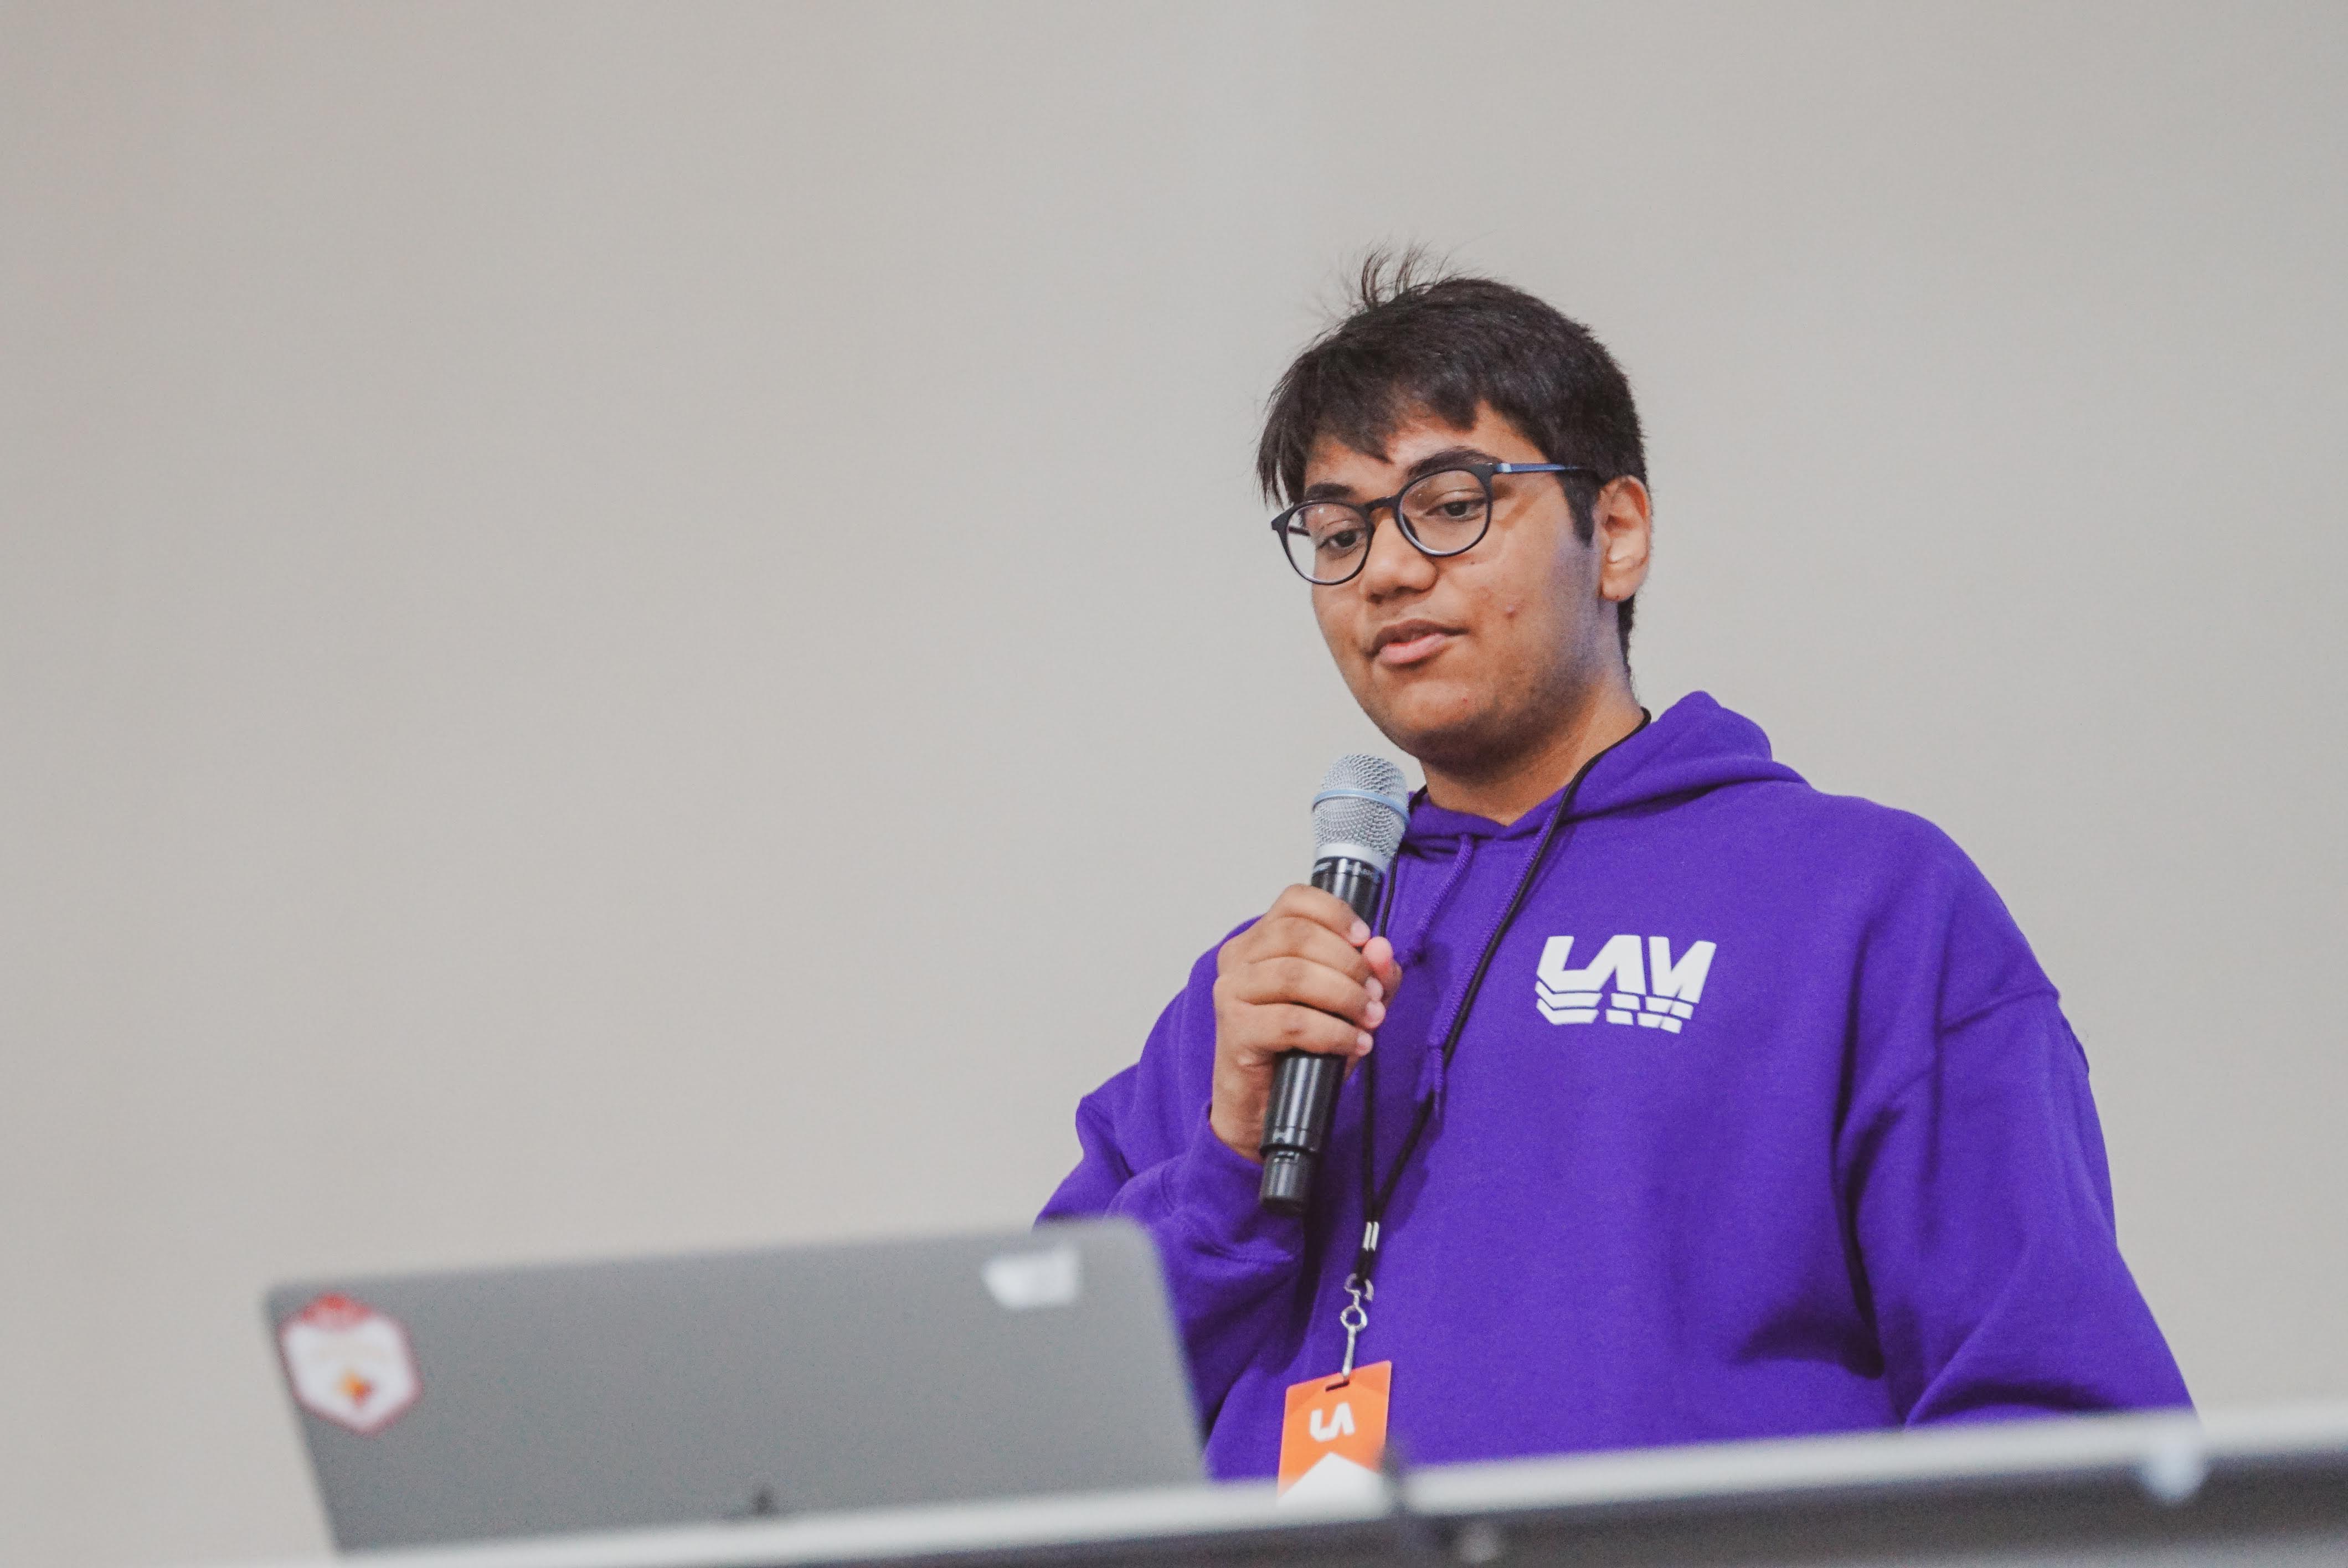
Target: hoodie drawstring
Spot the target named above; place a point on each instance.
(1409, 954)
(1431, 1066)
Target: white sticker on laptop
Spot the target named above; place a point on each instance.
(1022, 1280)
(349, 1363)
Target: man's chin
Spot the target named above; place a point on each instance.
(1450, 742)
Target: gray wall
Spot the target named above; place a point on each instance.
(586, 592)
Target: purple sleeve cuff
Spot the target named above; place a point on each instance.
(1211, 1196)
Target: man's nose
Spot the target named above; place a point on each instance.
(1394, 564)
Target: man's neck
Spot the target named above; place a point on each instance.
(1514, 787)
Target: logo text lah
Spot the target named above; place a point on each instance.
(1630, 980)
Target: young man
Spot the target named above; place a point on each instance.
(1763, 1119)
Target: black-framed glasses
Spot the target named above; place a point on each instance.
(1441, 514)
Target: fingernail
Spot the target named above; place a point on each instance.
(1377, 1014)
(1359, 934)
(1362, 1044)
(1377, 992)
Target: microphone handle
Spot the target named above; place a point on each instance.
(1304, 1082)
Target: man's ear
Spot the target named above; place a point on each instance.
(1625, 515)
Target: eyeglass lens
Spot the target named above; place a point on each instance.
(1444, 513)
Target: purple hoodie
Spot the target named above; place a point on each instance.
(1765, 1121)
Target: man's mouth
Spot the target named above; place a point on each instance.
(1409, 642)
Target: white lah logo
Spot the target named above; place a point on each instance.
(1631, 980)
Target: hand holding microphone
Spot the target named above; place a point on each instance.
(1297, 992)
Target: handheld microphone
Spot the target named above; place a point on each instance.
(1357, 825)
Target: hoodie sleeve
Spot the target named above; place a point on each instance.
(1975, 1182)
(1149, 1156)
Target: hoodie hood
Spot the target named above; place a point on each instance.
(1696, 746)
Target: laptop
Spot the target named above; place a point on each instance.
(525, 1401)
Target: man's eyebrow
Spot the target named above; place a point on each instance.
(1450, 457)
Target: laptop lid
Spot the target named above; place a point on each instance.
(466, 1406)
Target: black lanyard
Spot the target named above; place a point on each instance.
(1376, 1195)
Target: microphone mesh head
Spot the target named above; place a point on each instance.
(1362, 808)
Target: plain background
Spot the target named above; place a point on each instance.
(636, 629)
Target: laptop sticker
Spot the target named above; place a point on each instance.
(1023, 1281)
(349, 1363)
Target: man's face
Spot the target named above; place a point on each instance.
(1473, 659)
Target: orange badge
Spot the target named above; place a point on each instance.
(1335, 1432)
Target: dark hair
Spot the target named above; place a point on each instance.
(1416, 336)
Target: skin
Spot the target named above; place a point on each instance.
(1499, 668)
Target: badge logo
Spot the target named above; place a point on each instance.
(1629, 982)
(349, 1363)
